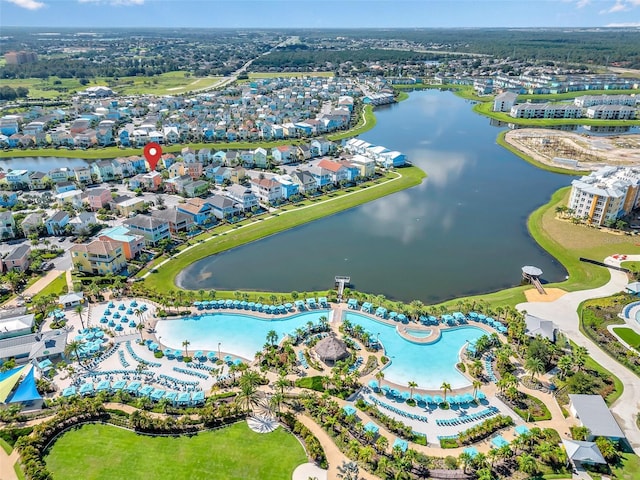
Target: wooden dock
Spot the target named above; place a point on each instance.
(341, 282)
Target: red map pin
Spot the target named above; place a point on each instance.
(152, 152)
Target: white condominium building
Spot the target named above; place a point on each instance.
(606, 194)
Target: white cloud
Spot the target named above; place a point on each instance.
(123, 3)
(622, 6)
(28, 4)
(582, 3)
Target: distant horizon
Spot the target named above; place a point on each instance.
(145, 27)
(321, 14)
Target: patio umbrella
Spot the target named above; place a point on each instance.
(211, 355)
(103, 320)
(111, 305)
(427, 398)
(438, 399)
(480, 396)
(228, 359)
(373, 384)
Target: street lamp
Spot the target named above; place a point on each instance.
(219, 343)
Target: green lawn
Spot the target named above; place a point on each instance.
(57, 287)
(312, 383)
(165, 276)
(235, 452)
(551, 97)
(170, 83)
(628, 335)
(628, 469)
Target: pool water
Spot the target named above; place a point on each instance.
(239, 334)
(418, 333)
(426, 364)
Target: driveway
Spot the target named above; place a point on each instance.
(563, 312)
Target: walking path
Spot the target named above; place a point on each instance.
(37, 287)
(564, 313)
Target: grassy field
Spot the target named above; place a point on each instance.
(57, 287)
(255, 230)
(628, 335)
(163, 84)
(486, 109)
(627, 469)
(366, 123)
(235, 452)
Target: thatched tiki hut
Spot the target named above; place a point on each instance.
(331, 349)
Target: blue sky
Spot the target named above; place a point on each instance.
(320, 13)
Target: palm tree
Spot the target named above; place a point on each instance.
(185, 344)
(465, 458)
(73, 347)
(527, 464)
(580, 354)
(272, 337)
(411, 385)
(446, 387)
(534, 366)
(477, 384)
(79, 309)
(140, 328)
(138, 313)
(379, 378)
(282, 383)
(565, 365)
(349, 471)
(248, 396)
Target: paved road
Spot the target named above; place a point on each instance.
(563, 312)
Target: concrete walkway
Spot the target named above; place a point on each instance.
(37, 287)
(563, 312)
(6, 465)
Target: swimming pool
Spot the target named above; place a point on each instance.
(426, 364)
(239, 334)
(418, 333)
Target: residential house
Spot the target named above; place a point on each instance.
(337, 171)
(39, 181)
(98, 198)
(7, 225)
(18, 179)
(127, 206)
(177, 184)
(353, 170)
(83, 222)
(83, 175)
(305, 181)
(367, 166)
(151, 228)
(196, 189)
(32, 223)
(238, 173)
(105, 170)
(283, 155)
(99, 257)
(176, 170)
(222, 207)
(244, 197)
(57, 222)
(62, 187)
(188, 155)
(178, 221)
(70, 197)
(194, 170)
(205, 155)
(231, 158)
(149, 182)
(170, 135)
(18, 259)
(8, 199)
(289, 188)
(320, 147)
(132, 244)
(246, 157)
(268, 191)
(199, 209)
(303, 153)
(260, 157)
(59, 175)
(322, 176)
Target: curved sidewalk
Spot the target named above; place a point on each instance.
(564, 313)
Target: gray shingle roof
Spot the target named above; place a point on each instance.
(595, 415)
